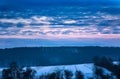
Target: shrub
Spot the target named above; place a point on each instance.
(79, 75)
(68, 74)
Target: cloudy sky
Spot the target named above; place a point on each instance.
(73, 23)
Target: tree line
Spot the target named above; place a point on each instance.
(108, 63)
(15, 72)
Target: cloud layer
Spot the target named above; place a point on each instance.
(58, 32)
(98, 25)
(80, 25)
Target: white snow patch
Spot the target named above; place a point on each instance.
(116, 63)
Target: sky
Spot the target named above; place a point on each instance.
(59, 23)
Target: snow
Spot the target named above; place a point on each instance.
(116, 63)
(86, 69)
(106, 72)
(1, 72)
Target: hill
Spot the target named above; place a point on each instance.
(46, 56)
(78, 71)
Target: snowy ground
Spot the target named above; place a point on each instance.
(86, 69)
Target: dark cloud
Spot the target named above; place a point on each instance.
(56, 2)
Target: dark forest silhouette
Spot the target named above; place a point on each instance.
(34, 56)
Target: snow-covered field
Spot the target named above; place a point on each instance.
(88, 70)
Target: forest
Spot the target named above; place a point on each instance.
(34, 56)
